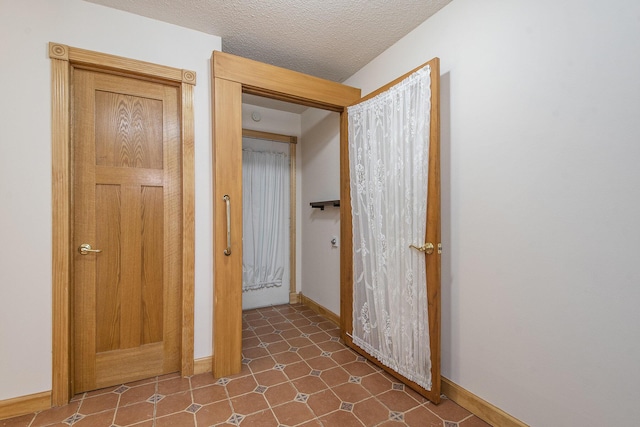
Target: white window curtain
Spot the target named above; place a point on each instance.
(388, 156)
(265, 200)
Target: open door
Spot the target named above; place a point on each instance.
(234, 75)
(430, 248)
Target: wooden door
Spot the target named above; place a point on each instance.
(127, 207)
(432, 236)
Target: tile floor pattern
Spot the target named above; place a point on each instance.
(295, 372)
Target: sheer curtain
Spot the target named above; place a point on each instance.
(388, 156)
(265, 198)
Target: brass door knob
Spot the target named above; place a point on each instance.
(85, 248)
(426, 248)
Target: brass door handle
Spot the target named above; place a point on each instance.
(227, 199)
(426, 248)
(85, 248)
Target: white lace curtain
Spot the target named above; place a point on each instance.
(265, 201)
(388, 155)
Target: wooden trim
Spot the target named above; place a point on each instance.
(266, 80)
(323, 311)
(202, 365)
(189, 77)
(61, 226)
(188, 228)
(257, 134)
(63, 59)
(81, 57)
(294, 298)
(227, 270)
(23, 405)
(346, 234)
(433, 234)
(58, 51)
(478, 406)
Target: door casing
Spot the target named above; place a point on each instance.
(232, 75)
(63, 60)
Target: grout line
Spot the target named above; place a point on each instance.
(275, 417)
(115, 412)
(155, 404)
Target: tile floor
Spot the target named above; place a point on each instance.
(295, 372)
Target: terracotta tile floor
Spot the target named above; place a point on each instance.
(295, 372)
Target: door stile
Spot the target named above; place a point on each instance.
(346, 235)
(434, 234)
(173, 229)
(227, 181)
(84, 265)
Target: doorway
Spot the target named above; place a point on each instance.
(269, 238)
(66, 61)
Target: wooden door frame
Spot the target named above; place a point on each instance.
(231, 76)
(292, 141)
(63, 60)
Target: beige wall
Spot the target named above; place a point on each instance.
(320, 182)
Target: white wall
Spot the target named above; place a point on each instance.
(26, 27)
(320, 182)
(540, 184)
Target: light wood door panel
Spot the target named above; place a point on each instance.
(127, 203)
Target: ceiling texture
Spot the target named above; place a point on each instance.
(331, 39)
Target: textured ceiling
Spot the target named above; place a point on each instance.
(331, 39)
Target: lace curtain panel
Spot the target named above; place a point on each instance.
(265, 201)
(388, 160)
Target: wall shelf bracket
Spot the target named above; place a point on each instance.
(321, 205)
